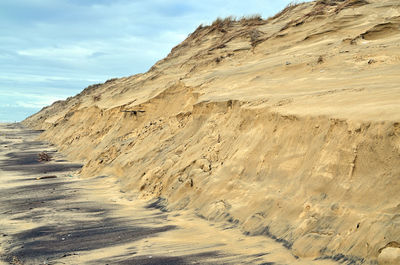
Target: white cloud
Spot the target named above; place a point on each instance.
(26, 100)
(37, 104)
(40, 78)
(65, 53)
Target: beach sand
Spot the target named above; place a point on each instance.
(49, 215)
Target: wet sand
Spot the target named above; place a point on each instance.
(49, 215)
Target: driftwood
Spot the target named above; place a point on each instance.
(134, 112)
(47, 177)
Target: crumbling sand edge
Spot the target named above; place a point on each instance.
(324, 187)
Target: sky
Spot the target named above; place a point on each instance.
(52, 49)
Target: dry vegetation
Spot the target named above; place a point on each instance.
(320, 8)
(286, 10)
(111, 80)
(350, 3)
(44, 157)
(223, 23)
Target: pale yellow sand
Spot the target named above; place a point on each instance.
(289, 127)
(192, 235)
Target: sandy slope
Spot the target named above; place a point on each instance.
(64, 219)
(288, 127)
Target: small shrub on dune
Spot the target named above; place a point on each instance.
(221, 24)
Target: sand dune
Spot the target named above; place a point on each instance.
(287, 127)
(49, 215)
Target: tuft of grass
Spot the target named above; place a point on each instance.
(318, 9)
(254, 17)
(255, 37)
(222, 24)
(328, 2)
(200, 27)
(92, 87)
(252, 20)
(110, 80)
(292, 5)
(350, 3)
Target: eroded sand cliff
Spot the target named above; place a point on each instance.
(287, 127)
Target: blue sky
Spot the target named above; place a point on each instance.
(52, 49)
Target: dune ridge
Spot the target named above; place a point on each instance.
(286, 127)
